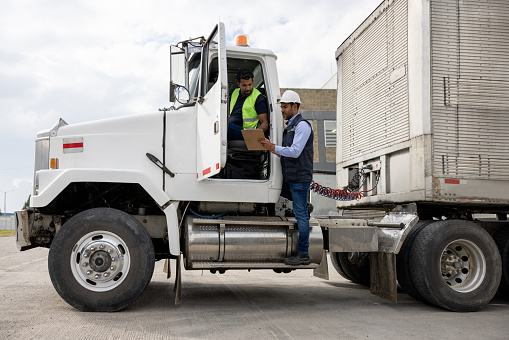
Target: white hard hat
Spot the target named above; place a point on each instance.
(290, 97)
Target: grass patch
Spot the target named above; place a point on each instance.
(7, 233)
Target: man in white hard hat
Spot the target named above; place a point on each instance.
(297, 163)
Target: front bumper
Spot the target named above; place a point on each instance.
(22, 224)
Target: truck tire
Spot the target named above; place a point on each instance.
(353, 266)
(334, 257)
(454, 264)
(101, 260)
(403, 261)
(502, 240)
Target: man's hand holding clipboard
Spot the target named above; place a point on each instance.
(269, 146)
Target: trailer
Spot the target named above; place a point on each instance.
(423, 115)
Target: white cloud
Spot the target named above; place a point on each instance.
(17, 182)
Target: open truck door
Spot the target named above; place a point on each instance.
(212, 107)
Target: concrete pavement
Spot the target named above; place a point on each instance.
(235, 305)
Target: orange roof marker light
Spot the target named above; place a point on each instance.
(242, 40)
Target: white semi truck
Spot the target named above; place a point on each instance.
(113, 196)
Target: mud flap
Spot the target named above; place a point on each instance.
(322, 271)
(177, 288)
(383, 276)
(167, 268)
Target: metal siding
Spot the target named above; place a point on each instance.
(348, 106)
(375, 111)
(470, 88)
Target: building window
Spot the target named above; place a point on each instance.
(330, 133)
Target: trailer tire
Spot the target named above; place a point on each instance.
(455, 265)
(334, 257)
(354, 266)
(101, 260)
(502, 240)
(403, 262)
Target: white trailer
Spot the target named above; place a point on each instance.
(423, 116)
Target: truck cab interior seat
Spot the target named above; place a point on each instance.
(242, 163)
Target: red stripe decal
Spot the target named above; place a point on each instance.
(206, 171)
(73, 145)
(451, 181)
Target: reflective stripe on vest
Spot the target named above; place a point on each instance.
(249, 116)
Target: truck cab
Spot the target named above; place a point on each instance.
(203, 72)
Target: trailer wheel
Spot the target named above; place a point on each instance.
(352, 266)
(101, 260)
(502, 240)
(403, 261)
(455, 265)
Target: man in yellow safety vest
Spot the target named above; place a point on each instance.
(248, 107)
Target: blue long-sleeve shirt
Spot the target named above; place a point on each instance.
(302, 132)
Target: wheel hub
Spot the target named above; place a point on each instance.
(452, 264)
(101, 261)
(463, 265)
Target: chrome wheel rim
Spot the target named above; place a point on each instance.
(463, 266)
(100, 261)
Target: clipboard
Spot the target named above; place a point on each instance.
(251, 138)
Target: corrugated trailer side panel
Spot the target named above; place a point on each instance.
(374, 115)
(424, 93)
(373, 105)
(470, 88)
(470, 98)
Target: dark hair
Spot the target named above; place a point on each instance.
(298, 105)
(244, 74)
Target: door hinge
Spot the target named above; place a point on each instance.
(224, 94)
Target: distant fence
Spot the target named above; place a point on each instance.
(6, 222)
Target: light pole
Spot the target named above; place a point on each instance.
(5, 200)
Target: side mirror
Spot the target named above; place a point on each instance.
(180, 94)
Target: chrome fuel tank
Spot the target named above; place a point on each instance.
(246, 242)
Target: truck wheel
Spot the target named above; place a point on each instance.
(403, 261)
(502, 240)
(354, 266)
(334, 257)
(455, 265)
(101, 260)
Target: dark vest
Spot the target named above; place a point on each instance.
(298, 169)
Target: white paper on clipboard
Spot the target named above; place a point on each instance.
(251, 138)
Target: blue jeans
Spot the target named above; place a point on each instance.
(234, 132)
(300, 193)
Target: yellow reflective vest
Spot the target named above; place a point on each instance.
(249, 116)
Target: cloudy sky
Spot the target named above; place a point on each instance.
(83, 60)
